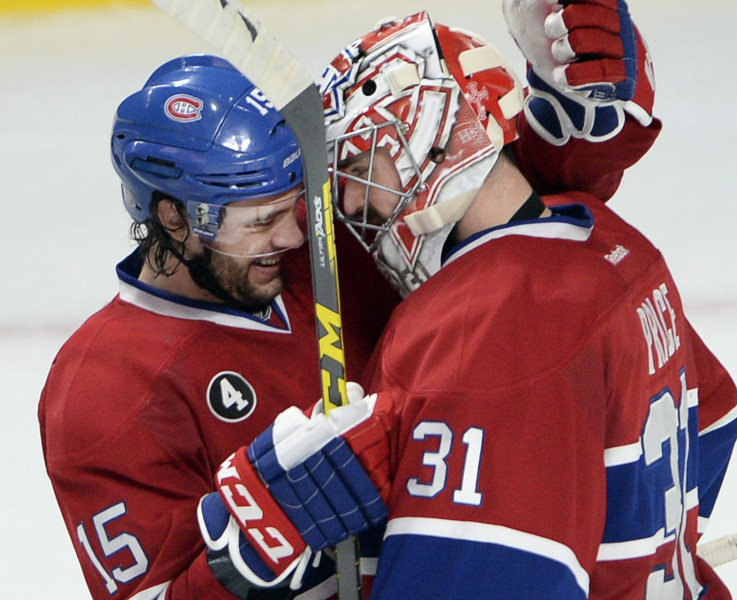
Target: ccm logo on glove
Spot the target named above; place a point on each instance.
(247, 499)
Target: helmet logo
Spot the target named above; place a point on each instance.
(182, 107)
(476, 97)
(291, 158)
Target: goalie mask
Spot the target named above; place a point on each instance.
(441, 102)
(201, 133)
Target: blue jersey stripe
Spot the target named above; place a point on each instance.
(415, 567)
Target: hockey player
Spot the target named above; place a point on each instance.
(547, 423)
(188, 363)
(214, 321)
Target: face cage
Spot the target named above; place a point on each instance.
(368, 234)
(210, 220)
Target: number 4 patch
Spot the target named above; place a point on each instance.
(230, 397)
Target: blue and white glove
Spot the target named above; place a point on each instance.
(588, 66)
(297, 489)
(232, 558)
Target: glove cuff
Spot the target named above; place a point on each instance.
(556, 117)
(247, 499)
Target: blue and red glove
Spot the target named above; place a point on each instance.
(303, 485)
(587, 67)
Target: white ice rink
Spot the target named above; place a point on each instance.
(61, 78)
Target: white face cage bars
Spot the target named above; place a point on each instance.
(364, 224)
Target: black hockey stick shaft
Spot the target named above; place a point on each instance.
(240, 38)
(305, 116)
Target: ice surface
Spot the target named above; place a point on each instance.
(62, 78)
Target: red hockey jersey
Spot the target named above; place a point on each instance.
(562, 427)
(150, 395)
(153, 392)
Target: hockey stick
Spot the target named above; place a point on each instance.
(241, 39)
(720, 551)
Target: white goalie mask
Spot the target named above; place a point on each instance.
(442, 102)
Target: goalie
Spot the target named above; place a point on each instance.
(545, 421)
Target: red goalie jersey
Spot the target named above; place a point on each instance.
(562, 427)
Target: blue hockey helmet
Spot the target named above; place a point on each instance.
(200, 132)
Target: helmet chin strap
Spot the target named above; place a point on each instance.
(453, 199)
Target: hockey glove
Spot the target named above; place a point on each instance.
(298, 488)
(587, 67)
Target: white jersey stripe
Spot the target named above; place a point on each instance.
(551, 228)
(644, 546)
(634, 548)
(630, 453)
(167, 308)
(623, 455)
(368, 566)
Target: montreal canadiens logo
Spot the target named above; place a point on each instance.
(230, 397)
(183, 107)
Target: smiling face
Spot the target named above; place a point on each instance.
(252, 238)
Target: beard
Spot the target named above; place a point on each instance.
(234, 277)
(230, 280)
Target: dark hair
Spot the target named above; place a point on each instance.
(154, 240)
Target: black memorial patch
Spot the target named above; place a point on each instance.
(230, 397)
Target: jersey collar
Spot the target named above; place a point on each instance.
(140, 294)
(568, 222)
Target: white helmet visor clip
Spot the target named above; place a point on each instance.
(251, 228)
